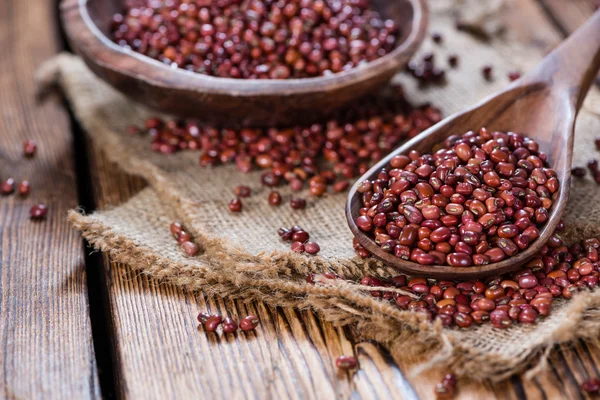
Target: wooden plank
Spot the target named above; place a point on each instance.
(569, 16)
(46, 348)
(158, 352)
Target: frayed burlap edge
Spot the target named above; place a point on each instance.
(216, 249)
(278, 280)
(408, 335)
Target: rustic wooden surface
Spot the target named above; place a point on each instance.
(292, 354)
(151, 347)
(46, 348)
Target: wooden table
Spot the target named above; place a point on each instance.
(74, 325)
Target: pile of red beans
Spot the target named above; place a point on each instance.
(23, 188)
(256, 39)
(446, 388)
(212, 322)
(479, 199)
(184, 239)
(299, 238)
(558, 271)
(322, 154)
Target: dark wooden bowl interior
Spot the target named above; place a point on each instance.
(234, 101)
(101, 12)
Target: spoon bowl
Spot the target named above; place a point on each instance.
(247, 102)
(542, 105)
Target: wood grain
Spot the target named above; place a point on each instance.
(571, 16)
(46, 348)
(568, 18)
(158, 351)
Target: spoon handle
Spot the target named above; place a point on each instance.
(572, 66)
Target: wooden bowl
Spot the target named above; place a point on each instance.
(263, 102)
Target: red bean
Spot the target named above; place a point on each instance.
(285, 234)
(297, 203)
(274, 198)
(38, 211)
(311, 248)
(528, 316)
(364, 223)
(412, 214)
(176, 229)
(591, 385)
(453, 60)
(459, 260)
(341, 186)
(297, 247)
(440, 235)
(8, 186)
(242, 191)
(249, 323)
(183, 236)
(191, 249)
(500, 319)
(487, 72)
(480, 259)
(212, 323)
(203, 317)
(408, 235)
(514, 75)
(229, 325)
(346, 362)
(300, 236)
(29, 148)
(235, 205)
(508, 246)
(483, 304)
(508, 231)
(463, 320)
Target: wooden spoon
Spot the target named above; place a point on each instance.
(542, 105)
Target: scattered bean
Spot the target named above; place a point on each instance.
(38, 211)
(242, 191)
(24, 188)
(235, 205)
(591, 385)
(7, 187)
(212, 323)
(486, 71)
(249, 323)
(297, 203)
(190, 248)
(346, 362)
(229, 325)
(29, 148)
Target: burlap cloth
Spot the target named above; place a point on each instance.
(243, 258)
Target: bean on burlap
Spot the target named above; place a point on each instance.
(242, 257)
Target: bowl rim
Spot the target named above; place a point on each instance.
(108, 54)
